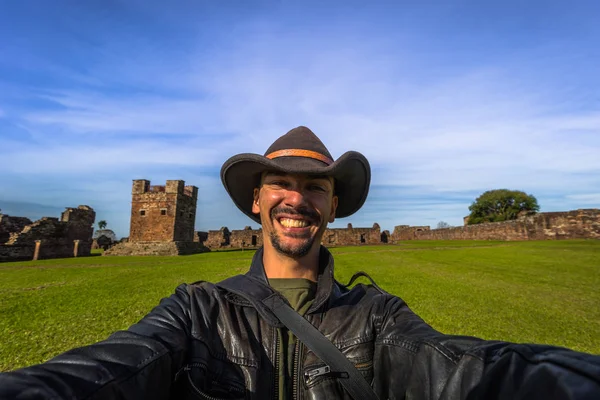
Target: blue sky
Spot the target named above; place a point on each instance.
(445, 100)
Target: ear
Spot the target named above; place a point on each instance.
(334, 204)
(255, 207)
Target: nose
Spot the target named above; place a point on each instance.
(294, 197)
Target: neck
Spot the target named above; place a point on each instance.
(279, 265)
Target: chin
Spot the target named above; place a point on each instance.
(294, 250)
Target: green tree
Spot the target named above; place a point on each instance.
(102, 224)
(501, 205)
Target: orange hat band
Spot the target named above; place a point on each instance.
(300, 153)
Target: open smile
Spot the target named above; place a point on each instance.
(294, 222)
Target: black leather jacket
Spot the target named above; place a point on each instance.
(206, 343)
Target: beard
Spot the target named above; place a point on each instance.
(297, 251)
(301, 249)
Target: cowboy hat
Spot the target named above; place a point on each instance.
(299, 151)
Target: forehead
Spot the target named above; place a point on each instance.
(295, 176)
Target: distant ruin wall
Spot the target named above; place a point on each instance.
(216, 239)
(103, 239)
(68, 237)
(406, 232)
(102, 242)
(352, 236)
(246, 238)
(238, 239)
(577, 224)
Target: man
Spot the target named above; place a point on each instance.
(211, 341)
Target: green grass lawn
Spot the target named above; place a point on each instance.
(543, 292)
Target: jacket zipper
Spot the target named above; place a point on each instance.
(194, 365)
(201, 393)
(313, 373)
(188, 367)
(277, 366)
(324, 370)
(296, 376)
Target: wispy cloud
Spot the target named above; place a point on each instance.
(438, 129)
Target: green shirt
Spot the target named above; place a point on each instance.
(300, 293)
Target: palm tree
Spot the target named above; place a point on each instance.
(102, 224)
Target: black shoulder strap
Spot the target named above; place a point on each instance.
(271, 304)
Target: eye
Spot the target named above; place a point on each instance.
(317, 188)
(279, 183)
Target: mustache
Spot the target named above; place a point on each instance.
(303, 211)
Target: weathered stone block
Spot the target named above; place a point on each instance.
(10, 225)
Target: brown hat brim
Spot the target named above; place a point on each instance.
(241, 174)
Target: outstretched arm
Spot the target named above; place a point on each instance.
(138, 363)
(426, 364)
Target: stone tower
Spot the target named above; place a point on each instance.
(162, 213)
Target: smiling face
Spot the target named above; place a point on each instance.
(294, 211)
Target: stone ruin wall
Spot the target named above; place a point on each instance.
(406, 232)
(576, 224)
(236, 239)
(69, 236)
(247, 237)
(351, 236)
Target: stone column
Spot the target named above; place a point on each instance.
(36, 252)
(75, 248)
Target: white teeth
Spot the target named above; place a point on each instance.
(293, 223)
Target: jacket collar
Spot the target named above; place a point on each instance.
(325, 281)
